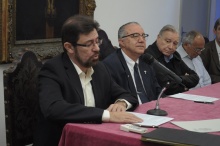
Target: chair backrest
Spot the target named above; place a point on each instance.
(106, 47)
(21, 99)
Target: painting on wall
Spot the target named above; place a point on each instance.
(36, 25)
(42, 19)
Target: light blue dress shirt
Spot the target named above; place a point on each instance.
(196, 65)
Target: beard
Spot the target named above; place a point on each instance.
(88, 63)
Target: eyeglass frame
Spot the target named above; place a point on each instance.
(144, 35)
(92, 43)
(198, 49)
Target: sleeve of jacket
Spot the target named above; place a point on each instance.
(53, 100)
(205, 55)
(190, 78)
(156, 83)
(120, 93)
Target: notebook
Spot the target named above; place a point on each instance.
(168, 136)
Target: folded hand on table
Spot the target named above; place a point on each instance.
(118, 113)
(124, 117)
(119, 106)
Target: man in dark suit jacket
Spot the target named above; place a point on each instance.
(75, 87)
(164, 50)
(211, 55)
(132, 41)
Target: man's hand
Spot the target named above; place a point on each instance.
(119, 106)
(123, 117)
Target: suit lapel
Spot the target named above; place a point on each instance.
(215, 55)
(73, 77)
(144, 71)
(128, 73)
(96, 89)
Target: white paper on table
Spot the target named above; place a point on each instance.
(203, 126)
(194, 97)
(150, 120)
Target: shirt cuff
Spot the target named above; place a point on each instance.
(128, 104)
(106, 116)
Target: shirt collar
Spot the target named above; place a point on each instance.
(182, 52)
(129, 61)
(167, 59)
(90, 70)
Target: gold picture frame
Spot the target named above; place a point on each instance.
(43, 47)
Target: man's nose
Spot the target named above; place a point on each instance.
(141, 39)
(171, 46)
(96, 47)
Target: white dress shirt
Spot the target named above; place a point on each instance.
(89, 99)
(130, 64)
(196, 65)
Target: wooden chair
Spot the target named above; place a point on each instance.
(21, 99)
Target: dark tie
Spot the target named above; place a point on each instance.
(139, 85)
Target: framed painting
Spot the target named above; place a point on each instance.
(36, 25)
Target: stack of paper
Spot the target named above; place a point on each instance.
(194, 97)
(211, 125)
(150, 120)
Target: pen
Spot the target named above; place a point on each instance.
(152, 126)
(147, 126)
(205, 102)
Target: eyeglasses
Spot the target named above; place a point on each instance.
(90, 43)
(136, 35)
(198, 49)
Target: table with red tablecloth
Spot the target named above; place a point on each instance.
(109, 134)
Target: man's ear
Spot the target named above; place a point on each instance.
(187, 45)
(158, 36)
(69, 47)
(121, 43)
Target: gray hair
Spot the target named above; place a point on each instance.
(122, 32)
(168, 28)
(190, 36)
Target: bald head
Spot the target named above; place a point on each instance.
(193, 43)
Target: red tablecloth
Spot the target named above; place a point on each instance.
(109, 134)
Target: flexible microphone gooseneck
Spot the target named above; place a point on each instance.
(149, 59)
(157, 111)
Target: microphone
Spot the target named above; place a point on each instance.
(160, 67)
(157, 111)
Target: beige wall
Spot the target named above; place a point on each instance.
(151, 14)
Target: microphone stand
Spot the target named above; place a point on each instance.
(157, 111)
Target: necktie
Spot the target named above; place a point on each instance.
(139, 85)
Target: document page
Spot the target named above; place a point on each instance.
(202, 126)
(194, 97)
(150, 120)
